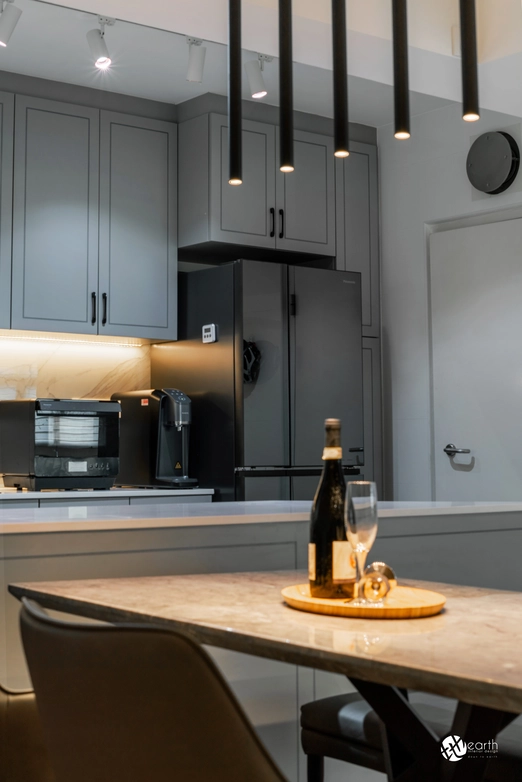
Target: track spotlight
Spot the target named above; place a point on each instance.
(98, 47)
(196, 61)
(8, 21)
(254, 70)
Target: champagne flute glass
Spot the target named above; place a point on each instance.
(360, 519)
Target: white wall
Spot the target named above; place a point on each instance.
(422, 181)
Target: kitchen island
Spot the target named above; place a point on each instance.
(462, 543)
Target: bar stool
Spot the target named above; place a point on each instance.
(345, 727)
(23, 756)
(135, 703)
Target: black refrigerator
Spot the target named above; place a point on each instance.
(266, 352)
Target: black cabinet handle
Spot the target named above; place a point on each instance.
(93, 302)
(281, 223)
(272, 222)
(104, 317)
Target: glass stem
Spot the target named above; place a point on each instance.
(360, 556)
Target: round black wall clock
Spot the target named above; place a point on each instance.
(493, 162)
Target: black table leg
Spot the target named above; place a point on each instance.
(474, 724)
(411, 748)
(412, 751)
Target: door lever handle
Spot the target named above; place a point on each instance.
(451, 450)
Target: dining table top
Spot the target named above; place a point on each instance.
(471, 651)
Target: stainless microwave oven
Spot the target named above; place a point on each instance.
(59, 443)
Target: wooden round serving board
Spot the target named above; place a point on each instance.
(402, 602)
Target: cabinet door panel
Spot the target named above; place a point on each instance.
(241, 214)
(138, 254)
(307, 197)
(6, 205)
(55, 230)
(358, 227)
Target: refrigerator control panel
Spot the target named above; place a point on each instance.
(209, 333)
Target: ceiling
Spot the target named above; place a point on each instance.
(49, 42)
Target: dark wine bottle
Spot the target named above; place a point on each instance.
(331, 569)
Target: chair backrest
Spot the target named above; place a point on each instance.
(23, 756)
(136, 703)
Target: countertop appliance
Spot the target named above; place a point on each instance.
(154, 438)
(266, 353)
(59, 443)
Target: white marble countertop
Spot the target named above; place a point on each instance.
(79, 494)
(395, 518)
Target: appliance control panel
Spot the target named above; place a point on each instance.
(209, 333)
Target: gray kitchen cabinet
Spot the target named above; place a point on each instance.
(241, 214)
(55, 216)
(372, 412)
(138, 214)
(6, 205)
(211, 210)
(270, 210)
(305, 199)
(357, 208)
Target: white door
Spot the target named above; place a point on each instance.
(476, 319)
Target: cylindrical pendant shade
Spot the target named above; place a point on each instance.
(401, 86)
(235, 151)
(468, 41)
(286, 88)
(340, 79)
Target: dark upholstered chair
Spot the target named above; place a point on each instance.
(135, 703)
(23, 756)
(346, 728)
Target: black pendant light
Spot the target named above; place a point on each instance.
(286, 88)
(340, 79)
(468, 43)
(235, 151)
(400, 69)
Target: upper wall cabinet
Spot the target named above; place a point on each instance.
(269, 210)
(94, 242)
(55, 225)
(357, 203)
(138, 254)
(305, 199)
(6, 205)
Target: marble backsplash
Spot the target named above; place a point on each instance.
(30, 368)
(70, 370)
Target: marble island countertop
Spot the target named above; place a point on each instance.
(89, 494)
(395, 518)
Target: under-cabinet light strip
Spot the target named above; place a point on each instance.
(74, 341)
